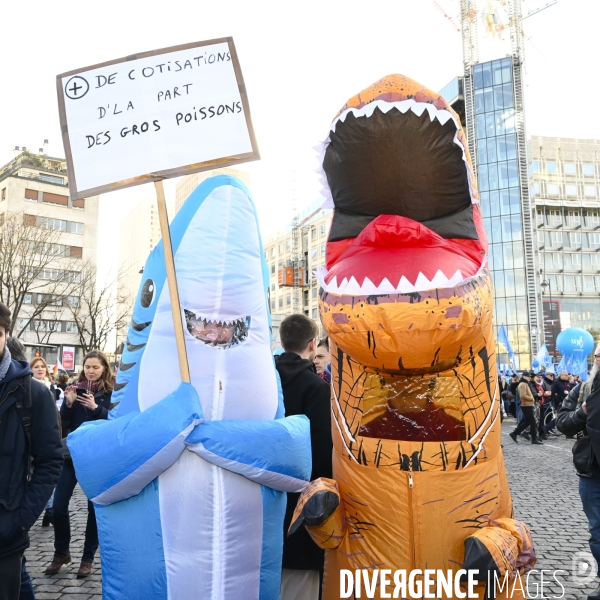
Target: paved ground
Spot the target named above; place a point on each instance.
(544, 489)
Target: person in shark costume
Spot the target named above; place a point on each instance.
(188, 480)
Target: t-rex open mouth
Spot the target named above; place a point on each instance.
(220, 334)
(398, 174)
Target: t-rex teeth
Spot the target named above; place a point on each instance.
(368, 288)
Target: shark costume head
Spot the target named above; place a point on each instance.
(190, 501)
(223, 282)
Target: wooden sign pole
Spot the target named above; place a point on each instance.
(163, 217)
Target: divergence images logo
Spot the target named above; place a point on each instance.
(77, 87)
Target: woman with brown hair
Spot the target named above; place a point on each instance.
(87, 400)
(41, 372)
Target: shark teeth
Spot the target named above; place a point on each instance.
(439, 114)
(351, 287)
(221, 333)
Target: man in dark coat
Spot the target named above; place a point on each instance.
(304, 393)
(560, 389)
(580, 415)
(22, 499)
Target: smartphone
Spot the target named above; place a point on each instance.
(81, 391)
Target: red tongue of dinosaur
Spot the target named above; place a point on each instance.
(392, 246)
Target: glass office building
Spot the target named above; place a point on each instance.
(498, 169)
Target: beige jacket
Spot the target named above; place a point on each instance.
(525, 396)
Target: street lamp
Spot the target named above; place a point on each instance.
(546, 284)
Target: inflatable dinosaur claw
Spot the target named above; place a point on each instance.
(319, 509)
(504, 546)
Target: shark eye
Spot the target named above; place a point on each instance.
(147, 295)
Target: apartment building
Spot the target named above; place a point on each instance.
(312, 231)
(565, 187)
(34, 188)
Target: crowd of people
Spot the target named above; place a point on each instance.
(534, 399)
(37, 413)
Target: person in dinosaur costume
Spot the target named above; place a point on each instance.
(406, 298)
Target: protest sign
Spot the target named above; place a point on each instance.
(151, 116)
(154, 115)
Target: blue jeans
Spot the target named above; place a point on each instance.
(62, 523)
(27, 592)
(589, 490)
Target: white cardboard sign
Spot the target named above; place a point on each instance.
(154, 115)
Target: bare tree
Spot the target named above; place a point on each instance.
(101, 310)
(36, 271)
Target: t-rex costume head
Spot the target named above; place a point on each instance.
(407, 302)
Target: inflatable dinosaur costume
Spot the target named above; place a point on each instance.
(407, 302)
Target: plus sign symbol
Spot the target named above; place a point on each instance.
(77, 87)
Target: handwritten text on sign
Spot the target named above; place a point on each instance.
(153, 114)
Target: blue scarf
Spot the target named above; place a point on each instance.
(4, 363)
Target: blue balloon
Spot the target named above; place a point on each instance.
(575, 341)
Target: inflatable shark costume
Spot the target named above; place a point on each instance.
(188, 479)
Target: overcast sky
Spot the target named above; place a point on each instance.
(300, 61)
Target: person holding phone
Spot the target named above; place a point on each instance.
(87, 400)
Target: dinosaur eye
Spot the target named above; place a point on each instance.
(147, 295)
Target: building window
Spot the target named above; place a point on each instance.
(313, 253)
(550, 166)
(556, 240)
(554, 217)
(280, 249)
(535, 166)
(27, 298)
(590, 191)
(314, 293)
(592, 219)
(323, 229)
(539, 217)
(280, 302)
(273, 269)
(589, 283)
(3, 197)
(569, 168)
(76, 227)
(272, 304)
(71, 327)
(272, 287)
(31, 195)
(272, 251)
(557, 262)
(315, 313)
(552, 189)
(288, 245)
(55, 199)
(535, 190)
(594, 240)
(574, 239)
(569, 283)
(571, 190)
(322, 249)
(591, 261)
(79, 204)
(573, 218)
(540, 238)
(588, 169)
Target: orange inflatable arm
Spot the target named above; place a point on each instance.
(319, 510)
